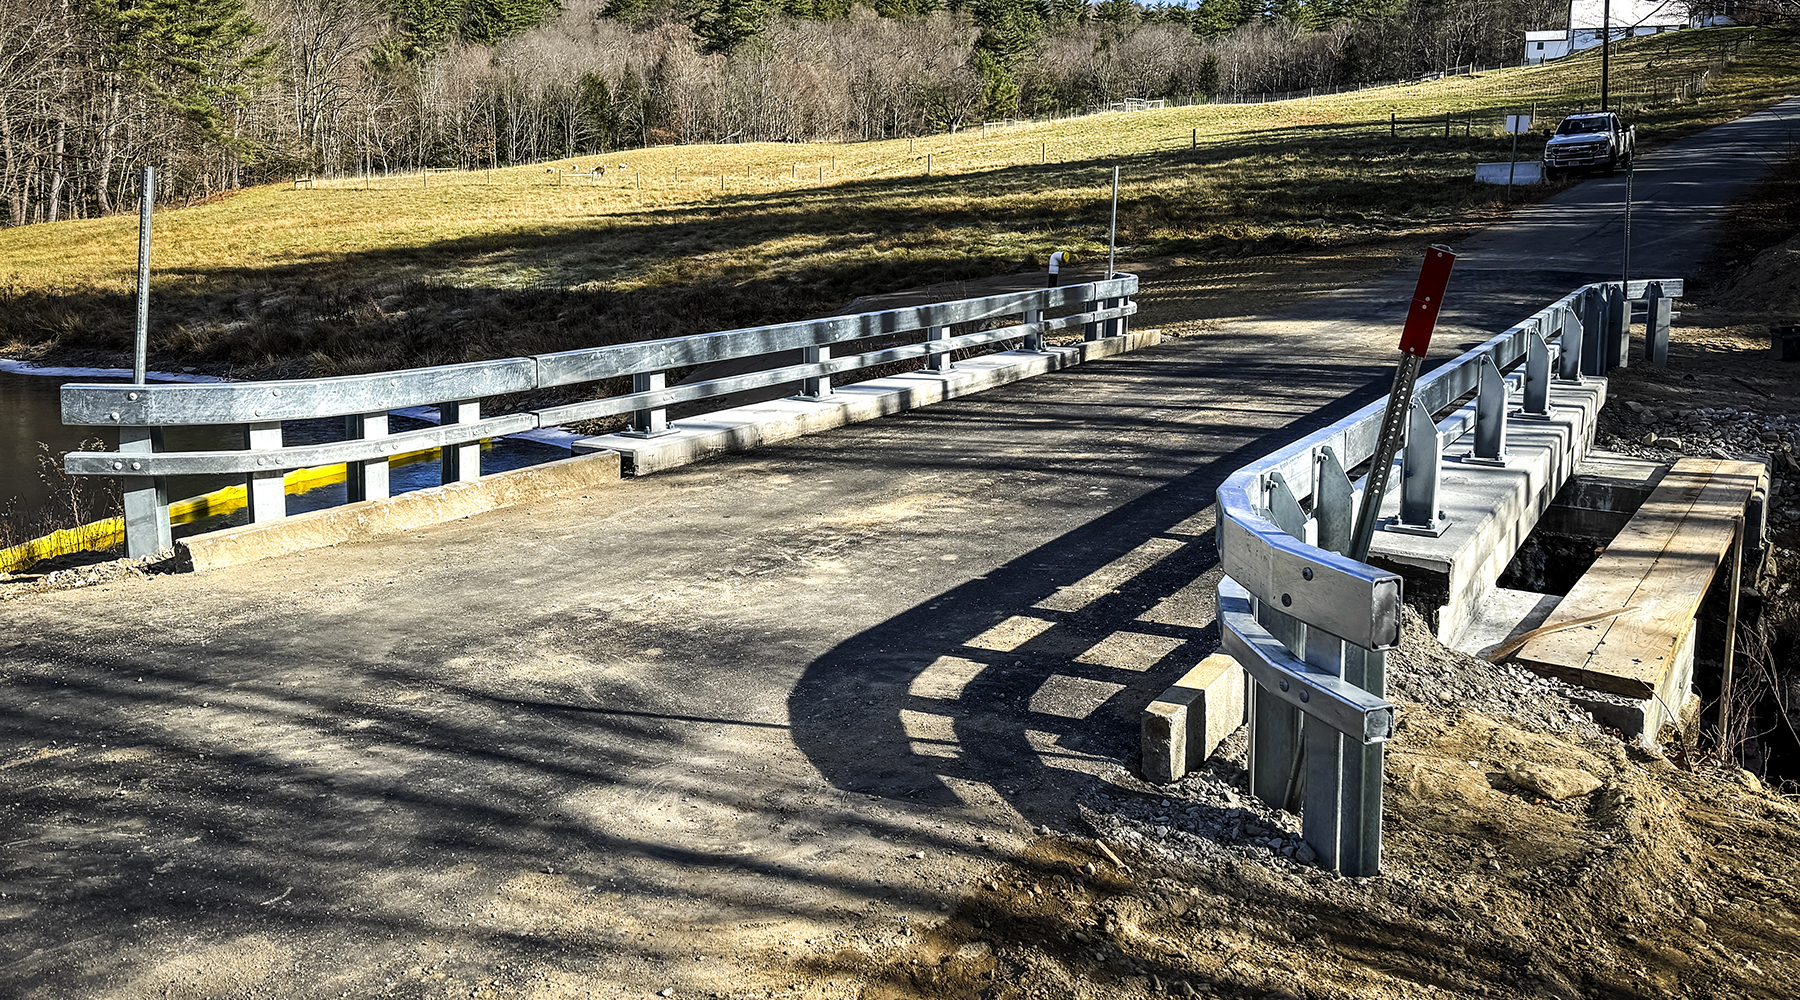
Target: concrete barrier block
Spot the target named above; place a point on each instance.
(741, 428)
(406, 512)
(1187, 723)
(1522, 172)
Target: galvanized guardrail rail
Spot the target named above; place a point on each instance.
(1310, 625)
(143, 412)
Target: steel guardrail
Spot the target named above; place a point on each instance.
(1309, 625)
(143, 412)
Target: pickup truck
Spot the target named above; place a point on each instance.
(1593, 139)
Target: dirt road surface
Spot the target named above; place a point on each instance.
(852, 717)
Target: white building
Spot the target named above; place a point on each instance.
(1586, 18)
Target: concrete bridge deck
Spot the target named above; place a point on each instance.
(699, 714)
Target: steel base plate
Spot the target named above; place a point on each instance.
(1435, 529)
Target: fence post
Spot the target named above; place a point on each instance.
(652, 422)
(1618, 327)
(267, 492)
(367, 480)
(460, 463)
(1537, 376)
(1421, 473)
(1034, 340)
(1656, 325)
(1568, 368)
(938, 362)
(1593, 328)
(1490, 416)
(146, 497)
(1392, 127)
(816, 387)
(1276, 726)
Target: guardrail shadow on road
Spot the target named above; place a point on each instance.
(972, 685)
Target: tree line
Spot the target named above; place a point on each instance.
(220, 93)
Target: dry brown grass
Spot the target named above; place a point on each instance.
(358, 275)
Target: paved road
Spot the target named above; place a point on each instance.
(711, 713)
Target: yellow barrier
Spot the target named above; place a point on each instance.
(111, 531)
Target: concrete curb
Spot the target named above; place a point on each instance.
(371, 519)
(746, 427)
(1491, 510)
(1183, 727)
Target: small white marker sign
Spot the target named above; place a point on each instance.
(1515, 124)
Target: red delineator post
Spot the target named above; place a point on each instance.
(1415, 340)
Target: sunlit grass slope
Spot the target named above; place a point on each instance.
(358, 274)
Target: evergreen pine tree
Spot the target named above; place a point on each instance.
(597, 119)
(194, 57)
(1121, 13)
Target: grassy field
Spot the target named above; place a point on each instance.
(364, 274)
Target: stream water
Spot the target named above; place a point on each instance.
(31, 413)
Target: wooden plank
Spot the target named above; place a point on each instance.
(1615, 577)
(1641, 648)
(1661, 565)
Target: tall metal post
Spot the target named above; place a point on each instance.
(1112, 235)
(1605, 49)
(146, 498)
(1625, 263)
(1415, 339)
(146, 198)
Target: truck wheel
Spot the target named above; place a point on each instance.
(1612, 166)
(1552, 174)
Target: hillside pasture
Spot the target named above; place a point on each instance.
(365, 273)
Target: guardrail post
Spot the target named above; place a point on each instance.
(267, 491)
(1116, 326)
(818, 386)
(146, 497)
(1275, 725)
(1421, 473)
(653, 422)
(1568, 367)
(1618, 327)
(938, 362)
(1091, 330)
(1537, 376)
(1490, 415)
(1359, 830)
(366, 480)
(1593, 326)
(1334, 501)
(1656, 325)
(1341, 819)
(1034, 340)
(460, 463)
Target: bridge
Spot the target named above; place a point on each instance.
(821, 683)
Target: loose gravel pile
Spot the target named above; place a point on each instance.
(1210, 814)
